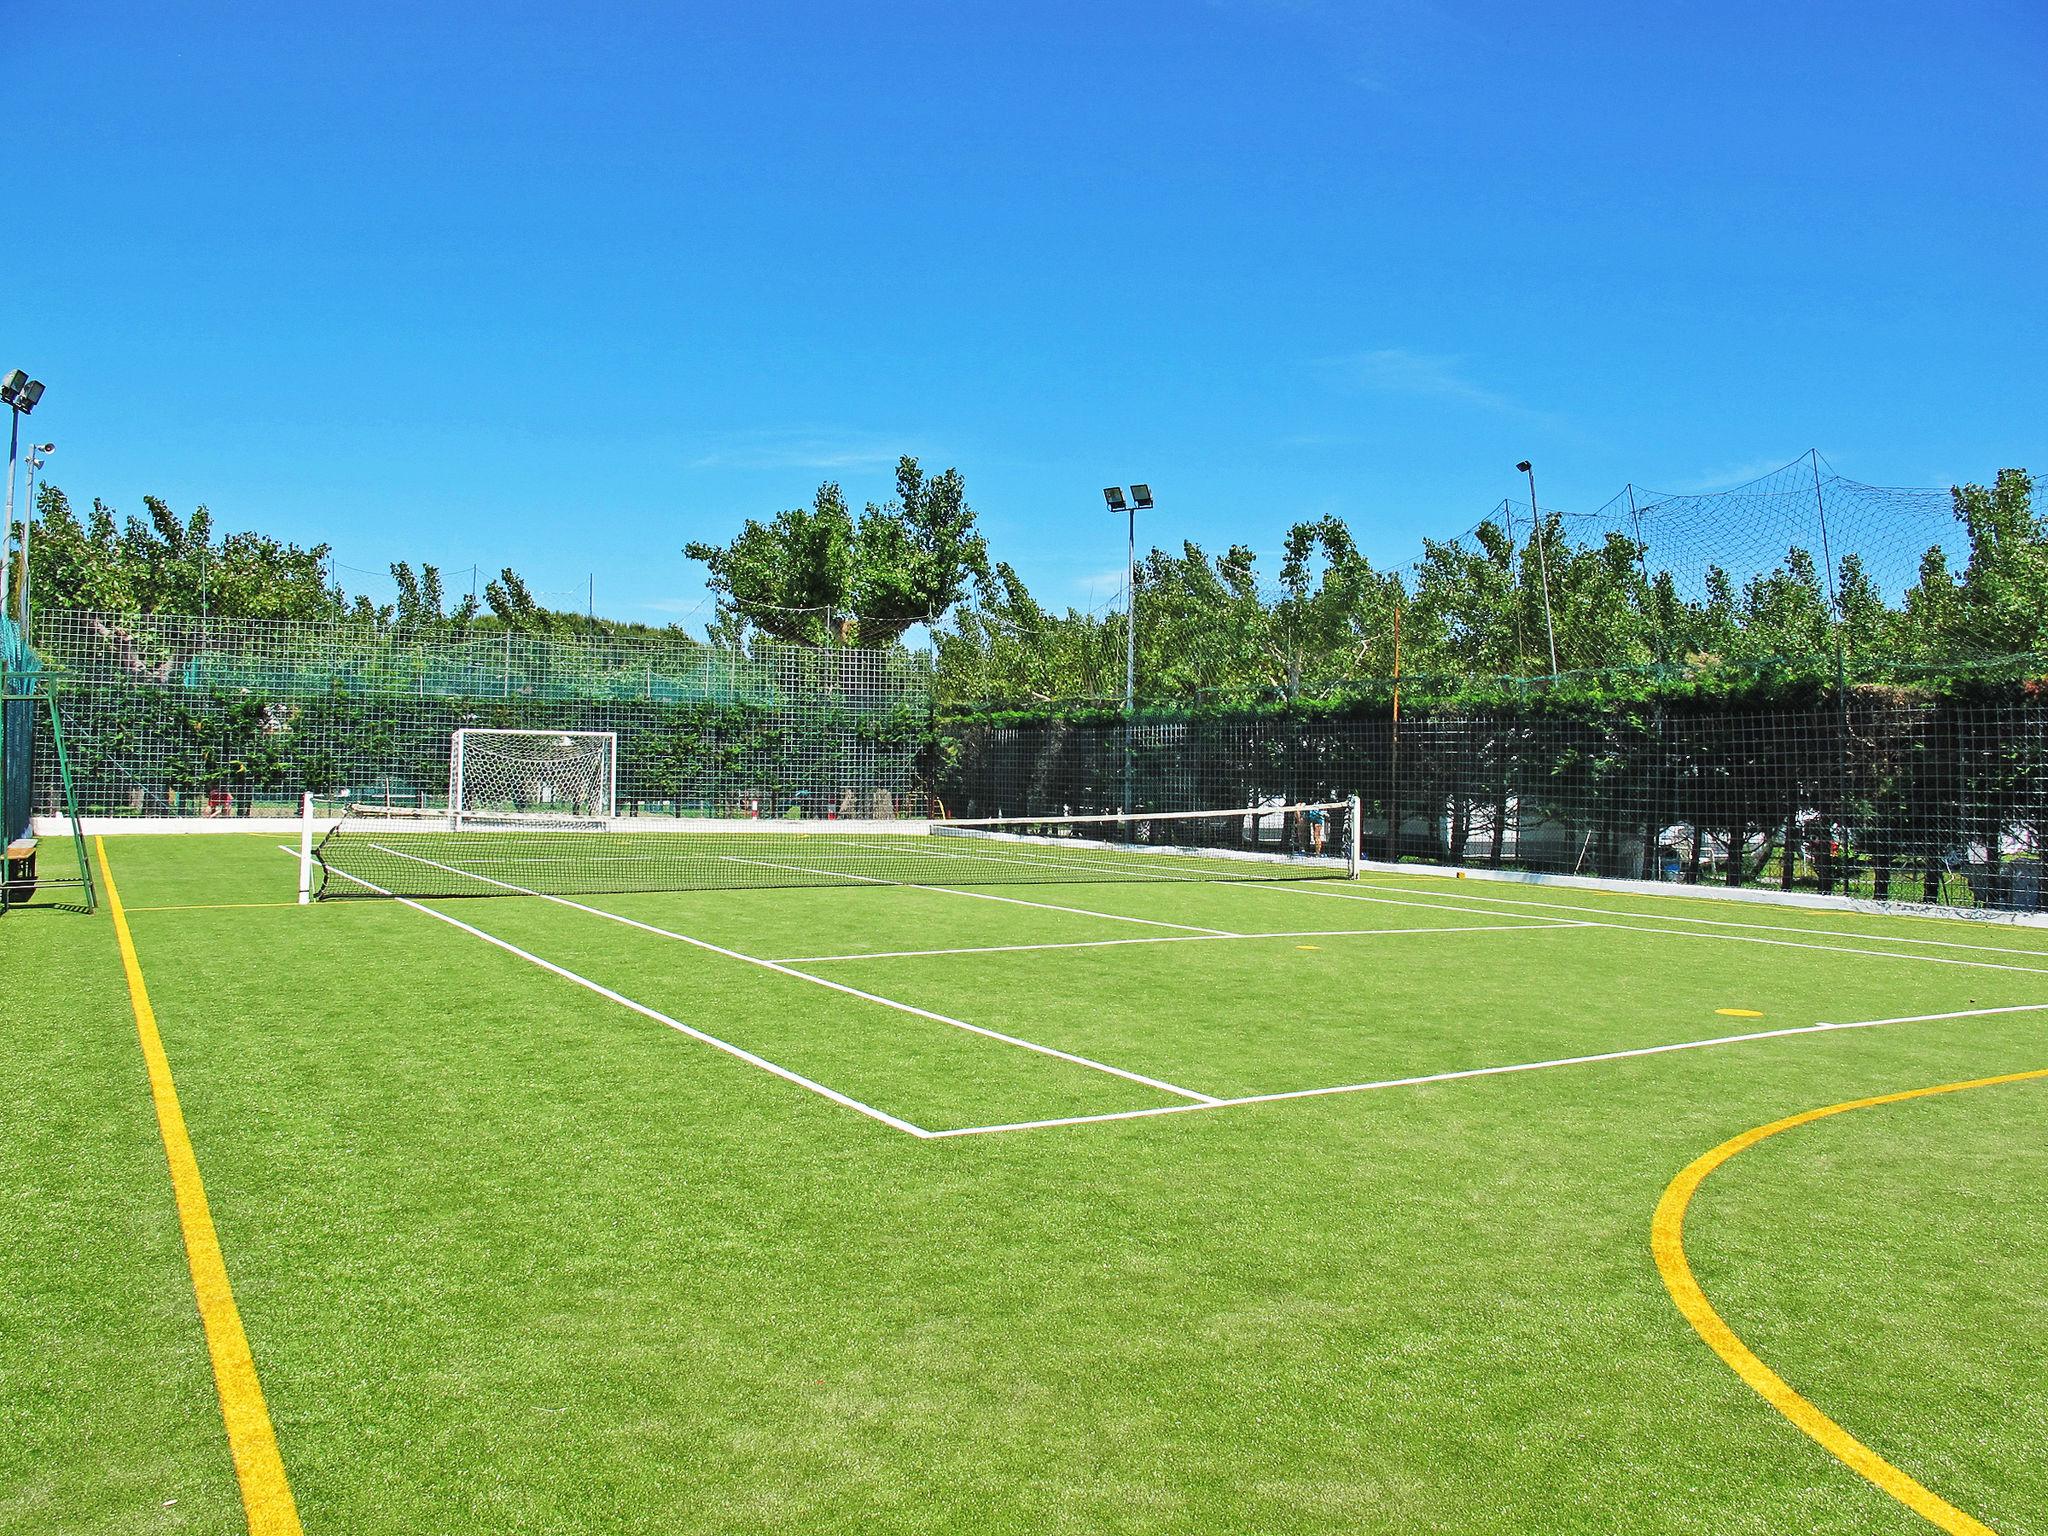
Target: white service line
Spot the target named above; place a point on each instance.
(1449, 1077)
(1676, 933)
(739, 1052)
(948, 890)
(818, 981)
(1081, 863)
(1181, 938)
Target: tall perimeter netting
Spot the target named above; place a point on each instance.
(371, 852)
(176, 715)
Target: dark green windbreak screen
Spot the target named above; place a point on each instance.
(17, 731)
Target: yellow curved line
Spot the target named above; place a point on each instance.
(1667, 1241)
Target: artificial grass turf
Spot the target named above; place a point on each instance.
(514, 1258)
(107, 1415)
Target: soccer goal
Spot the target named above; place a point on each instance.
(497, 775)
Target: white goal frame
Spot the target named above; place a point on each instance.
(458, 743)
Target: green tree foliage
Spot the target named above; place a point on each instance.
(822, 576)
(166, 563)
(1474, 624)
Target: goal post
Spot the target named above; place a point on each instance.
(496, 774)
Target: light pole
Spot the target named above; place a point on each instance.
(37, 452)
(1141, 500)
(1542, 561)
(19, 393)
(1141, 497)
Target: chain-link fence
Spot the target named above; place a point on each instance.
(1879, 792)
(1888, 798)
(180, 716)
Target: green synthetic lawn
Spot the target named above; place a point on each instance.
(513, 1258)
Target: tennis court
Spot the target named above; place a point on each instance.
(1057, 1198)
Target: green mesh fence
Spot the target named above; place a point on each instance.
(175, 715)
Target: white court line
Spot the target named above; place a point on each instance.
(1200, 1102)
(818, 981)
(1181, 938)
(1721, 922)
(1676, 933)
(1449, 1077)
(947, 890)
(739, 1052)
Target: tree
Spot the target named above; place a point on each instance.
(171, 564)
(421, 601)
(819, 576)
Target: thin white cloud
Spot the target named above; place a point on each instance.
(1425, 375)
(801, 448)
(1727, 476)
(674, 604)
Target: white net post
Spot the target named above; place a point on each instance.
(1352, 861)
(305, 849)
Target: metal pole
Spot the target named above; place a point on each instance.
(1543, 567)
(28, 512)
(1840, 819)
(13, 447)
(1131, 615)
(1130, 650)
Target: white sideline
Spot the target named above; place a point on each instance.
(1181, 938)
(820, 981)
(1468, 1072)
(1667, 889)
(1677, 933)
(738, 1052)
(1714, 922)
(948, 890)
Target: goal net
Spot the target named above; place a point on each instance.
(499, 777)
(376, 852)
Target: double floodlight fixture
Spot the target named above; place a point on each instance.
(20, 392)
(1141, 498)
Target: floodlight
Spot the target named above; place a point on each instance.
(31, 392)
(1114, 495)
(1523, 466)
(12, 386)
(1142, 495)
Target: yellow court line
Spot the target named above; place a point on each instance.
(266, 1495)
(1667, 1241)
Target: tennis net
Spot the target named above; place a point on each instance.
(373, 851)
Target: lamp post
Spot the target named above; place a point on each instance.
(1542, 561)
(19, 393)
(37, 453)
(1140, 498)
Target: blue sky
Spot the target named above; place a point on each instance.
(564, 286)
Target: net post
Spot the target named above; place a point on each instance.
(305, 848)
(1351, 836)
